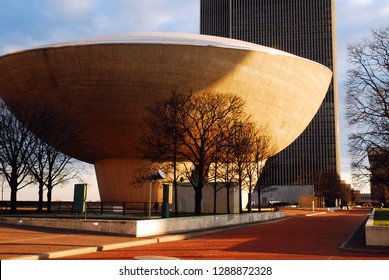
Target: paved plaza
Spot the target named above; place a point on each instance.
(303, 234)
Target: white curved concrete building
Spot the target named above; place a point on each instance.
(107, 82)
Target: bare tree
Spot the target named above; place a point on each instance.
(345, 193)
(227, 174)
(241, 140)
(379, 177)
(17, 145)
(356, 196)
(52, 168)
(27, 159)
(250, 146)
(209, 117)
(368, 106)
(48, 166)
(328, 186)
(201, 125)
(262, 148)
(161, 141)
(215, 175)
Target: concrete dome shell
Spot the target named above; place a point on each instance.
(107, 82)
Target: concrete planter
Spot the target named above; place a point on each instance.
(178, 225)
(376, 235)
(143, 228)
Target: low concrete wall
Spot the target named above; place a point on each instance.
(109, 226)
(176, 225)
(143, 228)
(376, 235)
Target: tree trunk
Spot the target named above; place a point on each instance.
(175, 196)
(228, 198)
(198, 198)
(214, 197)
(240, 193)
(49, 193)
(40, 198)
(13, 202)
(249, 203)
(175, 180)
(14, 188)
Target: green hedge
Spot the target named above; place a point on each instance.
(381, 217)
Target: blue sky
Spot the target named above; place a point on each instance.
(29, 23)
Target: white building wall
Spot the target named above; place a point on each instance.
(186, 198)
(288, 194)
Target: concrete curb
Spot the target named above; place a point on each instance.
(86, 250)
(316, 213)
(93, 249)
(344, 246)
(53, 255)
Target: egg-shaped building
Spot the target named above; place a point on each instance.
(107, 82)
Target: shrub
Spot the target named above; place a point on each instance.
(381, 217)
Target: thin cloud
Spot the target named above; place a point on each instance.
(156, 15)
(361, 2)
(361, 12)
(62, 20)
(74, 9)
(384, 11)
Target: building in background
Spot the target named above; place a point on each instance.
(379, 177)
(365, 198)
(286, 195)
(304, 28)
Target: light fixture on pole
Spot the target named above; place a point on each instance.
(157, 176)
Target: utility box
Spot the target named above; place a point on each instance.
(79, 198)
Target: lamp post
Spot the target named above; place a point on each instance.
(2, 193)
(157, 176)
(313, 198)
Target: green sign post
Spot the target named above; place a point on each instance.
(79, 199)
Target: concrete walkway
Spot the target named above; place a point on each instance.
(301, 235)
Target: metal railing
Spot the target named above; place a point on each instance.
(96, 208)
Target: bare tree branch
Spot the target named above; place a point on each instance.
(367, 107)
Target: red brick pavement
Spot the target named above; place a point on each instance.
(299, 237)
(20, 241)
(302, 237)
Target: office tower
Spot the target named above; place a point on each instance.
(302, 27)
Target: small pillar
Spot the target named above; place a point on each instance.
(165, 201)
